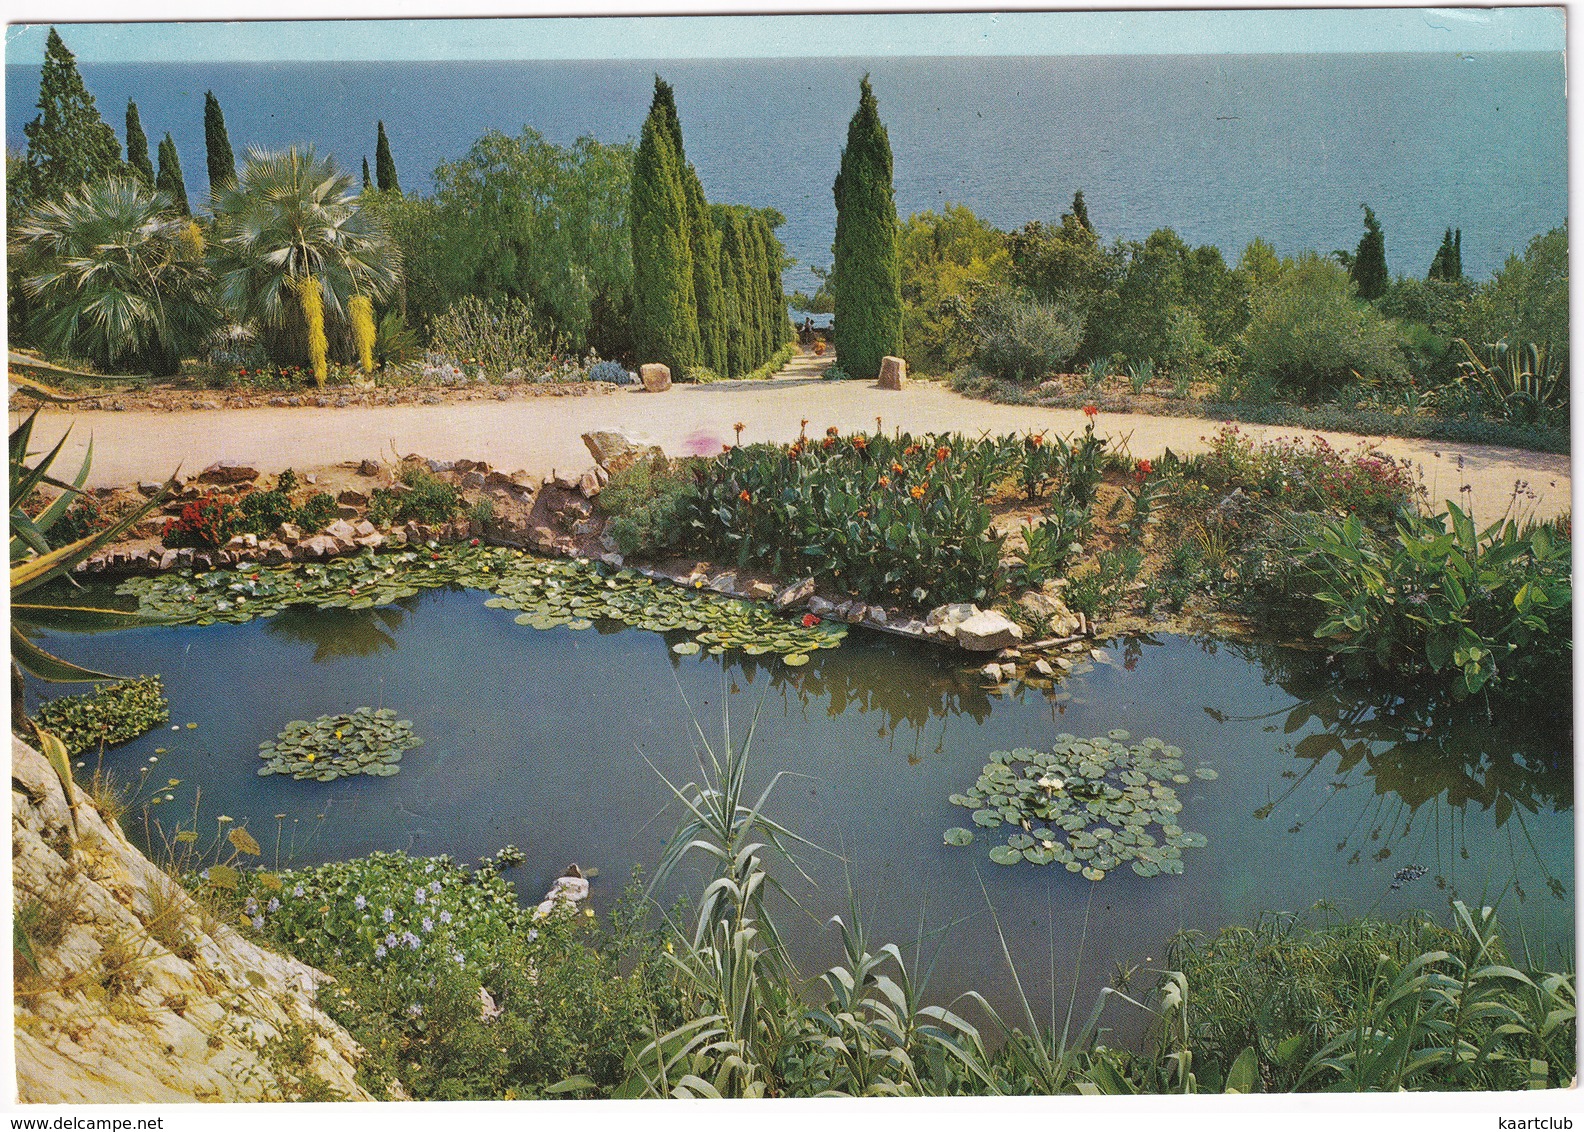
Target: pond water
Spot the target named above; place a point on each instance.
(540, 738)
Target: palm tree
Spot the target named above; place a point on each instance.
(115, 275)
(292, 249)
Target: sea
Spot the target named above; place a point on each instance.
(1220, 148)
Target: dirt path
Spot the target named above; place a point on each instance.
(542, 435)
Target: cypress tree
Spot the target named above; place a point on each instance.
(1080, 211)
(69, 144)
(1448, 263)
(367, 184)
(665, 315)
(385, 164)
(1369, 260)
(865, 275)
(222, 162)
(765, 310)
(703, 240)
(170, 180)
(734, 306)
(137, 145)
(1457, 254)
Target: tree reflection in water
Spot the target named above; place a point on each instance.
(1429, 759)
(337, 633)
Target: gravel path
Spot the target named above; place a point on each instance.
(542, 435)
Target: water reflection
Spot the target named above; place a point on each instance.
(1426, 761)
(339, 633)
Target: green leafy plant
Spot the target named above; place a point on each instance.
(647, 502)
(111, 714)
(1021, 339)
(1521, 383)
(1140, 374)
(1098, 592)
(365, 741)
(428, 499)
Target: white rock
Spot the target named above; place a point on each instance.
(987, 631)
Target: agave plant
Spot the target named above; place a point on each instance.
(113, 274)
(1524, 383)
(289, 232)
(34, 563)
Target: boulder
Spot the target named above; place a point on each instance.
(373, 541)
(368, 468)
(274, 552)
(342, 531)
(987, 631)
(472, 481)
(893, 372)
(856, 612)
(319, 546)
(149, 490)
(566, 481)
(723, 583)
(589, 485)
(228, 472)
(944, 619)
(762, 591)
(876, 615)
(615, 450)
(289, 533)
(353, 498)
(793, 595)
(656, 377)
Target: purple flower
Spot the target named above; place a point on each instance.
(429, 868)
(273, 905)
(445, 917)
(459, 959)
(251, 907)
(258, 922)
(388, 915)
(428, 924)
(434, 888)
(419, 896)
(390, 939)
(412, 941)
(298, 891)
(361, 902)
(379, 951)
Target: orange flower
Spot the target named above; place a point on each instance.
(744, 496)
(860, 443)
(911, 450)
(885, 481)
(1143, 468)
(863, 514)
(897, 468)
(739, 426)
(917, 491)
(828, 443)
(1091, 412)
(941, 454)
(832, 431)
(1037, 439)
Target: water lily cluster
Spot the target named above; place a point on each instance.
(1091, 805)
(365, 741)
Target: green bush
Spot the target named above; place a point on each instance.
(498, 334)
(1022, 339)
(1439, 600)
(429, 499)
(111, 714)
(318, 511)
(413, 941)
(1308, 336)
(648, 505)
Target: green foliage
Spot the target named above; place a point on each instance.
(883, 516)
(865, 277)
(648, 505)
(317, 511)
(1022, 339)
(1356, 1005)
(170, 181)
(112, 277)
(1447, 266)
(395, 343)
(294, 217)
(1048, 546)
(1441, 601)
(364, 741)
(944, 260)
(496, 334)
(412, 942)
(1097, 593)
(756, 325)
(137, 146)
(1293, 475)
(1307, 335)
(1368, 266)
(429, 499)
(68, 144)
(385, 164)
(217, 147)
(110, 714)
(665, 307)
(1065, 261)
(1527, 300)
(1521, 384)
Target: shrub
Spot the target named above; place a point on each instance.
(613, 372)
(1308, 336)
(317, 512)
(413, 943)
(497, 334)
(206, 522)
(1021, 339)
(1438, 599)
(648, 505)
(1313, 476)
(111, 714)
(429, 499)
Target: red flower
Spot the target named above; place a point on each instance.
(860, 443)
(1037, 439)
(828, 442)
(1091, 412)
(473, 543)
(1142, 469)
(941, 454)
(809, 621)
(745, 497)
(832, 431)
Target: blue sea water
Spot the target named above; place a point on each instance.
(1220, 148)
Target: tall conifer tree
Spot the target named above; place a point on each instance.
(367, 184)
(1369, 260)
(865, 276)
(385, 164)
(170, 180)
(69, 144)
(665, 314)
(222, 161)
(1080, 210)
(137, 145)
(703, 242)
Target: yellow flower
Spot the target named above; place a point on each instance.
(589, 912)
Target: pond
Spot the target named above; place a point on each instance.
(544, 739)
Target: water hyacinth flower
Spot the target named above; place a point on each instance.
(434, 888)
(298, 891)
(412, 941)
(460, 960)
(258, 922)
(273, 905)
(361, 902)
(445, 917)
(388, 915)
(428, 924)
(379, 951)
(250, 906)
(420, 896)
(390, 939)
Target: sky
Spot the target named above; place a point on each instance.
(766, 35)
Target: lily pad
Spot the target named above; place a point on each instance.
(685, 648)
(959, 836)
(364, 741)
(1005, 855)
